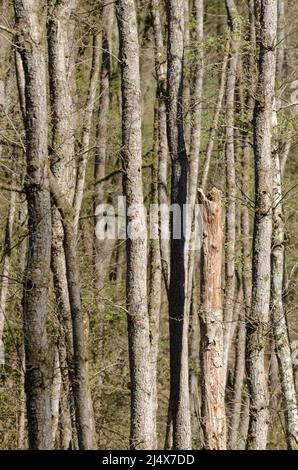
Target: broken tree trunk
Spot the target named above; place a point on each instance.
(211, 322)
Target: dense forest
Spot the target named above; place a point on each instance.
(148, 224)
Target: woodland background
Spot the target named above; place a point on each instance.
(150, 99)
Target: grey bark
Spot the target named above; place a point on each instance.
(30, 26)
(154, 304)
(55, 394)
(79, 375)
(141, 433)
(87, 121)
(278, 309)
(257, 324)
(195, 145)
(215, 121)
(230, 164)
(161, 75)
(103, 249)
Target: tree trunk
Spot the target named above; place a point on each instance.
(55, 395)
(238, 380)
(6, 270)
(280, 327)
(30, 25)
(195, 145)
(161, 74)
(64, 264)
(87, 121)
(211, 324)
(103, 249)
(215, 121)
(179, 391)
(80, 376)
(141, 434)
(230, 164)
(154, 303)
(257, 324)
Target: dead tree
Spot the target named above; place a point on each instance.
(211, 323)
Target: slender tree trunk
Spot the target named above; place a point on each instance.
(238, 380)
(194, 366)
(141, 434)
(179, 392)
(30, 24)
(80, 378)
(154, 304)
(161, 73)
(211, 324)
(257, 324)
(67, 438)
(103, 249)
(87, 121)
(22, 434)
(6, 269)
(230, 234)
(215, 121)
(55, 395)
(195, 145)
(60, 36)
(280, 327)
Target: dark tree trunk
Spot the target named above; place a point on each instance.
(179, 392)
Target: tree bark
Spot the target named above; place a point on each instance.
(230, 164)
(80, 376)
(195, 145)
(280, 326)
(30, 27)
(215, 121)
(141, 433)
(257, 324)
(60, 36)
(87, 121)
(211, 324)
(179, 391)
(103, 249)
(161, 75)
